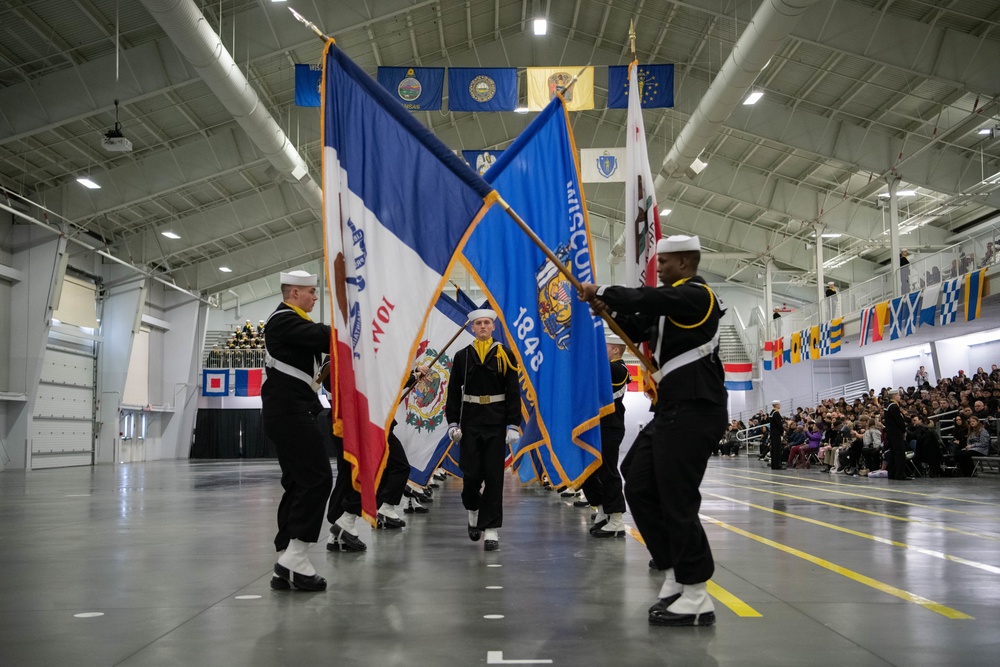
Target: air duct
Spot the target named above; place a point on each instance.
(189, 30)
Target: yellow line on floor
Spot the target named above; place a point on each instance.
(936, 607)
(881, 540)
(736, 605)
(929, 524)
(840, 480)
(860, 495)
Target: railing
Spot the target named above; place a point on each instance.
(848, 391)
(252, 358)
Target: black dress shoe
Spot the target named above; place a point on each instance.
(491, 545)
(597, 526)
(301, 582)
(658, 615)
(475, 533)
(279, 584)
(654, 566)
(344, 541)
(383, 521)
(581, 503)
(600, 532)
(413, 507)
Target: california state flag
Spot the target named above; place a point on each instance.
(642, 219)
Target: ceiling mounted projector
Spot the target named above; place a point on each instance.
(114, 141)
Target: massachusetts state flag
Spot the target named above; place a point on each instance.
(559, 343)
(398, 204)
(656, 86)
(214, 382)
(421, 425)
(307, 85)
(416, 88)
(482, 88)
(974, 294)
(248, 381)
(738, 377)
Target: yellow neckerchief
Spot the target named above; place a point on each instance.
(483, 347)
(301, 313)
(711, 305)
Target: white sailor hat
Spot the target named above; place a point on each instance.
(893, 392)
(678, 243)
(775, 402)
(298, 279)
(831, 283)
(612, 338)
(482, 313)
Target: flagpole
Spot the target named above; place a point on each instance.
(434, 360)
(573, 280)
(309, 24)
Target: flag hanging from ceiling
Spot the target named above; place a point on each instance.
(398, 204)
(830, 334)
(866, 325)
(602, 165)
(767, 360)
(248, 381)
(778, 350)
(420, 423)
(416, 88)
(879, 321)
(545, 82)
(214, 382)
(307, 85)
(656, 86)
(481, 160)
(739, 377)
(814, 353)
(914, 301)
(949, 300)
(482, 88)
(642, 216)
(928, 305)
(899, 313)
(796, 349)
(974, 294)
(560, 344)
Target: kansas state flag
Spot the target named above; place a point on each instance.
(416, 88)
(482, 89)
(398, 204)
(307, 83)
(655, 81)
(559, 343)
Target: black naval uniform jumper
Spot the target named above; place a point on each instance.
(604, 486)
(667, 461)
(483, 446)
(777, 429)
(289, 409)
(895, 434)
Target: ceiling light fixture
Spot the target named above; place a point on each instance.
(753, 97)
(225, 269)
(170, 235)
(899, 193)
(666, 211)
(541, 26)
(87, 183)
(985, 131)
(521, 110)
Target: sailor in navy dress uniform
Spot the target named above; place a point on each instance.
(290, 404)
(667, 461)
(604, 487)
(483, 409)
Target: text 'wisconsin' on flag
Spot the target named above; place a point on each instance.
(397, 205)
(560, 344)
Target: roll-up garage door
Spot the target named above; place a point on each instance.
(63, 425)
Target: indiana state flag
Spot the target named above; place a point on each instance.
(420, 423)
(656, 86)
(560, 345)
(482, 88)
(398, 204)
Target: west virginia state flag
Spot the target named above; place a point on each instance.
(974, 293)
(397, 205)
(545, 82)
(559, 343)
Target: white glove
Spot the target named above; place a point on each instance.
(512, 436)
(454, 432)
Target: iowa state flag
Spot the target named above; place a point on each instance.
(560, 344)
(398, 204)
(248, 381)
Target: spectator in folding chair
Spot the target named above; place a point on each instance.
(979, 445)
(930, 449)
(798, 456)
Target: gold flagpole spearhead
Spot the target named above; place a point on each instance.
(309, 24)
(631, 36)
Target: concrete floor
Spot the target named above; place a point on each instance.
(811, 569)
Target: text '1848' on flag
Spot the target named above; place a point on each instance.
(656, 86)
(398, 204)
(482, 89)
(416, 88)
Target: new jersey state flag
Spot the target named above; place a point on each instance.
(416, 88)
(559, 344)
(397, 205)
(421, 426)
(482, 88)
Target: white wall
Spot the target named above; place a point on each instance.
(896, 368)
(968, 352)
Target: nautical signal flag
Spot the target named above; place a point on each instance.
(830, 334)
(928, 305)
(974, 294)
(248, 381)
(307, 83)
(416, 88)
(814, 353)
(482, 88)
(773, 354)
(738, 377)
(545, 82)
(656, 86)
(796, 351)
(949, 300)
(215, 382)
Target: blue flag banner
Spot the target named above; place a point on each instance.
(482, 89)
(416, 88)
(215, 382)
(481, 160)
(559, 343)
(308, 79)
(656, 83)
